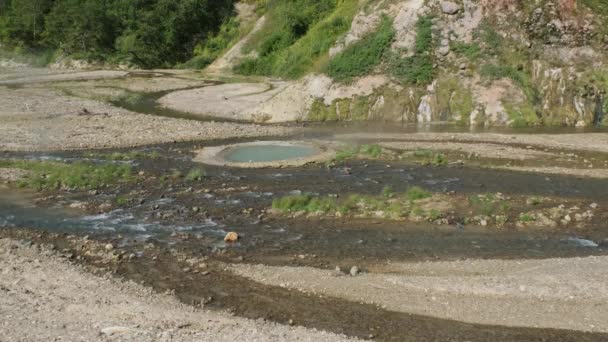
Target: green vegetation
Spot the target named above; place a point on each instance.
(472, 51)
(430, 158)
(417, 193)
(205, 52)
(388, 192)
(153, 33)
(522, 115)
(454, 100)
(366, 151)
(297, 36)
(122, 200)
(195, 174)
(45, 175)
(527, 217)
(361, 57)
(489, 204)
(389, 204)
(418, 68)
(118, 156)
(598, 6)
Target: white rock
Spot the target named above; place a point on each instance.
(449, 7)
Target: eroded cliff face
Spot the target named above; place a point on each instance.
(489, 63)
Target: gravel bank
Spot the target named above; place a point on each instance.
(554, 293)
(44, 298)
(43, 119)
(597, 142)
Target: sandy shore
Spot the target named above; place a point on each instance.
(553, 293)
(44, 298)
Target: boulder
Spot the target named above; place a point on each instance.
(449, 7)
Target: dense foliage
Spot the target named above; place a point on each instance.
(361, 57)
(297, 34)
(148, 33)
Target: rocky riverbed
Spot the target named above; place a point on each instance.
(112, 229)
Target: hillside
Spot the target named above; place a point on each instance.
(477, 63)
(468, 62)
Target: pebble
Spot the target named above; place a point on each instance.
(109, 247)
(354, 271)
(231, 237)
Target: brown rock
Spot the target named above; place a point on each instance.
(231, 237)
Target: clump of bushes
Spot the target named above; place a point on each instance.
(418, 68)
(297, 34)
(361, 57)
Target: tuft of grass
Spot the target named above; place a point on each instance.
(196, 174)
(489, 204)
(371, 151)
(361, 57)
(472, 51)
(417, 193)
(388, 192)
(46, 175)
(431, 158)
(527, 217)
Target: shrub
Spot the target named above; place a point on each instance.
(195, 174)
(361, 57)
(471, 51)
(418, 68)
(417, 193)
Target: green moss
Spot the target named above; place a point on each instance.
(522, 115)
(361, 57)
(54, 175)
(360, 108)
(454, 100)
(320, 112)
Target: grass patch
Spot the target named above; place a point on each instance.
(361, 57)
(527, 218)
(418, 68)
(81, 175)
(489, 204)
(471, 51)
(366, 151)
(430, 158)
(417, 193)
(195, 175)
(389, 204)
(122, 156)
